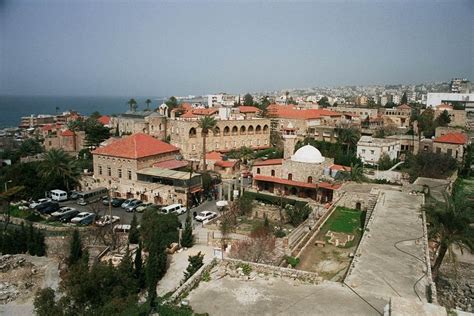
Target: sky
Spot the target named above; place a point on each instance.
(117, 48)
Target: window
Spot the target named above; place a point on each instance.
(193, 147)
(449, 151)
(273, 173)
(372, 152)
(258, 170)
(120, 173)
(438, 150)
(310, 179)
(363, 151)
(217, 145)
(109, 171)
(129, 172)
(100, 170)
(290, 176)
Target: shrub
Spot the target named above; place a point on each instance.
(292, 261)
(246, 268)
(297, 214)
(280, 233)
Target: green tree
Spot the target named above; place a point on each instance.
(206, 124)
(385, 162)
(172, 103)
(30, 147)
(426, 122)
(148, 102)
(132, 103)
(75, 248)
(404, 99)
(195, 263)
(450, 224)
(138, 264)
(357, 173)
(244, 205)
(349, 137)
(95, 115)
(134, 233)
(187, 239)
(297, 214)
(96, 133)
(324, 102)
(443, 119)
(45, 304)
(248, 100)
(60, 169)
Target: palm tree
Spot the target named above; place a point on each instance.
(148, 101)
(357, 173)
(75, 126)
(348, 136)
(132, 104)
(450, 224)
(59, 169)
(206, 124)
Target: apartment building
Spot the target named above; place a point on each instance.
(370, 149)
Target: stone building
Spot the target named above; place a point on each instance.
(230, 133)
(142, 167)
(398, 116)
(458, 117)
(131, 122)
(370, 149)
(452, 144)
(66, 140)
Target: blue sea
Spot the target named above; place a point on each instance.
(12, 108)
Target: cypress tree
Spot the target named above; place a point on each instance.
(152, 272)
(187, 239)
(134, 234)
(139, 267)
(75, 252)
(195, 263)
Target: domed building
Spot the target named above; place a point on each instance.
(305, 173)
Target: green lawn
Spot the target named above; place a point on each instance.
(344, 220)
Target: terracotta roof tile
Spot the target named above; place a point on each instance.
(304, 114)
(104, 119)
(323, 185)
(248, 109)
(171, 164)
(214, 155)
(136, 146)
(67, 133)
(225, 164)
(188, 115)
(404, 107)
(452, 138)
(268, 162)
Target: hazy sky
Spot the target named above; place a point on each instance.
(192, 47)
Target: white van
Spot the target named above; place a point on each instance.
(174, 208)
(58, 195)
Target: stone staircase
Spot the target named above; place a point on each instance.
(373, 196)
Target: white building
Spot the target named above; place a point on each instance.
(435, 99)
(370, 149)
(222, 99)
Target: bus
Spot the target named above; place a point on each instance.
(84, 198)
(58, 195)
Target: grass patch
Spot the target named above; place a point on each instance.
(345, 220)
(25, 214)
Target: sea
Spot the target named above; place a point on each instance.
(12, 108)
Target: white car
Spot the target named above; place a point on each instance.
(39, 202)
(81, 216)
(63, 210)
(105, 220)
(205, 216)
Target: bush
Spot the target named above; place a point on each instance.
(280, 233)
(297, 214)
(246, 268)
(292, 261)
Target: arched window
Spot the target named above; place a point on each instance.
(258, 129)
(290, 176)
(226, 131)
(192, 132)
(265, 129)
(217, 131)
(310, 179)
(250, 130)
(273, 173)
(258, 170)
(242, 130)
(234, 130)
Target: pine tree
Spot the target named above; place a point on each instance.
(187, 239)
(195, 263)
(139, 267)
(75, 252)
(30, 239)
(39, 242)
(134, 234)
(152, 272)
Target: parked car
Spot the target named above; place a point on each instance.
(73, 195)
(117, 202)
(49, 208)
(174, 208)
(68, 216)
(142, 207)
(133, 205)
(206, 215)
(39, 202)
(83, 216)
(105, 220)
(63, 210)
(127, 202)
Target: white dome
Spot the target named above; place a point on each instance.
(308, 154)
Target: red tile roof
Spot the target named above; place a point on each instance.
(205, 111)
(248, 109)
(171, 164)
(136, 146)
(188, 115)
(47, 127)
(225, 164)
(268, 162)
(323, 185)
(404, 107)
(290, 112)
(187, 106)
(214, 155)
(67, 133)
(104, 119)
(452, 138)
(340, 167)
